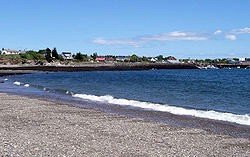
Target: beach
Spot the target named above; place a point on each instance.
(35, 127)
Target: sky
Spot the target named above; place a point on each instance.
(182, 28)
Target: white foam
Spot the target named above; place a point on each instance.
(26, 85)
(17, 83)
(6, 79)
(240, 119)
(69, 93)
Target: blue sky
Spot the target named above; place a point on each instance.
(190, 28)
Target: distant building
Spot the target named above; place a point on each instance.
(231, 61)
(172, 59)
(246, 62)
(67, 55)
(10, 52)
(247, 59)
(122, 58)
(242, 59)
(109, 58)
(100, 59)
(153, 59)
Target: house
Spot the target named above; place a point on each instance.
(122, 58)
(10, 52)
(109, 58)
(67, 55)
(172, 59)
(153, 59)
(247, 61)
(242, 59)
(232, 61)
(100, 59)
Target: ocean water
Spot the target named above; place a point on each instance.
(221, 94)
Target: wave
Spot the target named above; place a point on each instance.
(229, 117)
(26, 85)
(17, 83)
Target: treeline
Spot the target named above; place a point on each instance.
(49, 55)
(41, 55)
(53, 55)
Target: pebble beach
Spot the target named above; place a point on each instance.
(34, 127)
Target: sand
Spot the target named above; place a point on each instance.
(32, 127)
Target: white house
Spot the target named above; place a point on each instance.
(67, 55)
(172, 60)
(242, 59)
(153, 60)
(10, 52)
(122, 58)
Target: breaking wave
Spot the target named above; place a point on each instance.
(17, 83)
(229, 117)
(26, 85)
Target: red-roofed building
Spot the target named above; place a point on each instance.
(100, 59)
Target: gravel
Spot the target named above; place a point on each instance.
(32, 127)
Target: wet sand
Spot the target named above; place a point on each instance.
(33, 127)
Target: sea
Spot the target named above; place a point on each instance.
(215, 94)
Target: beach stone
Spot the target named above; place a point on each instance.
(32, 127)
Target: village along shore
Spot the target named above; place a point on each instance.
(51, 60)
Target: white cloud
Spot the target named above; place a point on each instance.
(217, 32)
(171, 36)
(245, 30)
(233, 34)
(101, 41)
(230, 37)
(177, 35)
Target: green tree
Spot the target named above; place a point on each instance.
(134, 58)
(32, 55)
(55, 54)
(48, 55)
(94, 56)
(81, 57)
(144, 59)
(208, 60)
(160, 57)
(42, 51)
(60, 57)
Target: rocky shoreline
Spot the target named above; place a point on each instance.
(33, 127)
(14, 72)
(101, 67)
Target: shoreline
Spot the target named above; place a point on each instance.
(31, 126)
(101, 67)
(214, 126)
(15, 72)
